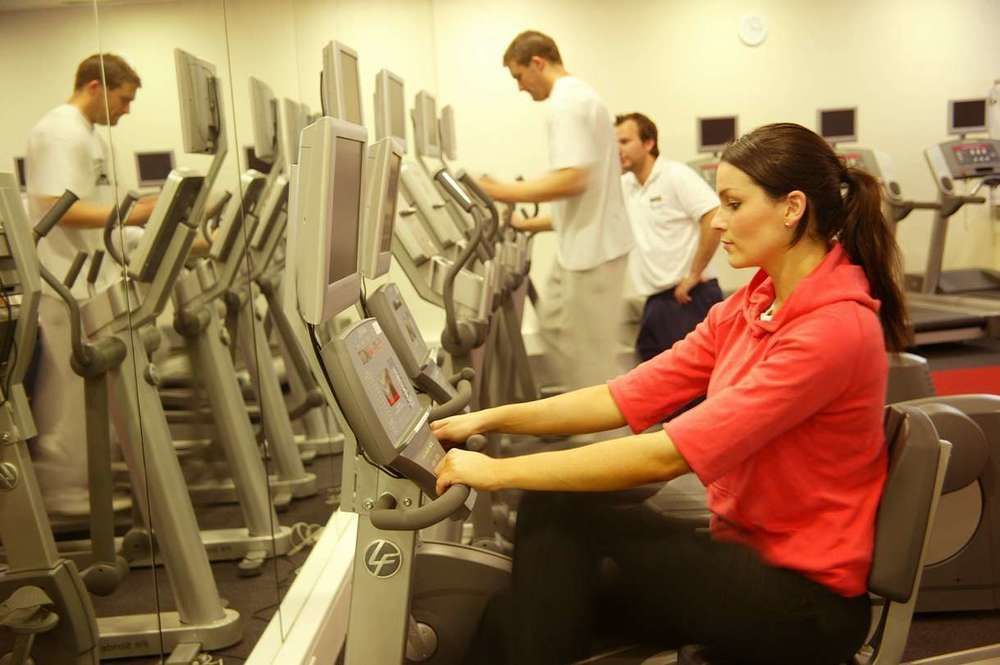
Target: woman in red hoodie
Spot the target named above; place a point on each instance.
(788, 442)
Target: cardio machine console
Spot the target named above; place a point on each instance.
(236, 215)
(380, 404)
(960, 160)
(173, 208)
(396, 320)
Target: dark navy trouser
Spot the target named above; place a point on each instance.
(665, 321)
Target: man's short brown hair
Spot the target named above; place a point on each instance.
(647, 129)
(116, 71)
(527, 45)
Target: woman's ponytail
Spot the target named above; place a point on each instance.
(867, 238)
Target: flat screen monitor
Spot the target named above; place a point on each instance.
(385, 161)
(21, 170)
(250, 157)
(201, 111)
(331, 165)
(446, 130)
(714, 134)
(966, 116)
(264, 116)
(838, 125)
(390, 107)
(152, 168)
(425, 127)
(341, 83)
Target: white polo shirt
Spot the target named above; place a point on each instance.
(665, 214)
(592, 228)
(65, 151)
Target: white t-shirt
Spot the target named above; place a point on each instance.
(592, 228)
(65, 151)
(665, 214)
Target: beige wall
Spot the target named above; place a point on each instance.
(897, 61)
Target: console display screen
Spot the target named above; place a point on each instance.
(343, 227)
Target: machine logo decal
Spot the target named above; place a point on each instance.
(383, 558)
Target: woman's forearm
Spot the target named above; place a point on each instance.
(605, 466)
(578, 412)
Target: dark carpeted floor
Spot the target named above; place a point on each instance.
(255, 598)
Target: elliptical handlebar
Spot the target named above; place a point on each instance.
(456, 404)
(74, 269)
(118, 215)
(203, 227)
(54, 214)
(452, 327)
(392, 519)
(490, 204)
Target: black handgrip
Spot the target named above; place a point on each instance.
(95, 267)
(465, 374)
(427, 515)
(463, 395)
(74, 269)
(476, 443)
(115, 217)
(54, 214)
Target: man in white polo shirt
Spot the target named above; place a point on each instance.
(66, 151)
(580, 311)
(671, 209)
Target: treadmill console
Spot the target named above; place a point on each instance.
(706, 167)
(860, 158)
(963, 159)
(380, 405)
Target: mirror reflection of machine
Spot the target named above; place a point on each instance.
(714, 134)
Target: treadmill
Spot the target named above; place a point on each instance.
(934, 319)
(951, 161)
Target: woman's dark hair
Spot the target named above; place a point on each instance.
(844, 204)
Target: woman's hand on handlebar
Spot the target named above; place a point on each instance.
(464, 467)
(455, 430)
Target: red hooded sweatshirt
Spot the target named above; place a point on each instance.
(789, 441)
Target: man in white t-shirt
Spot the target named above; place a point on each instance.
(580, 311)
(671, 209)
(66, 151)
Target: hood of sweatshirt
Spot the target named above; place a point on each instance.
(834, 280)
